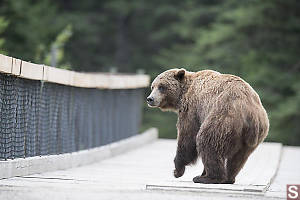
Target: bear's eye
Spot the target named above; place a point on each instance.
(161, 88)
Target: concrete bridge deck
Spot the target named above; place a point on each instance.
(146, 173)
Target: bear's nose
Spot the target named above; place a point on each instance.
(150, 99)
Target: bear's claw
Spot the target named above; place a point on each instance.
(179, 173)
(207, 180)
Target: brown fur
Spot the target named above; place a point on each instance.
(220, 118)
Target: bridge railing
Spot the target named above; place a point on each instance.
(46, 110)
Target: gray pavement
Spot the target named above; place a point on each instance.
(127, 175)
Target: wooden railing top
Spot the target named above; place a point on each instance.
(27, 70)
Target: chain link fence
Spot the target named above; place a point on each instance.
(40, 118)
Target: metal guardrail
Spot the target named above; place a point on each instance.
(44, 118)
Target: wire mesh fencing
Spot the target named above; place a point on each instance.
(41, 118)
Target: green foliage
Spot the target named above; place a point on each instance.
(32, 24)
(59, 47)
(3, 25)
(257, 40)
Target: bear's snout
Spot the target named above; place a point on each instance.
(155, 98)
(150, 101)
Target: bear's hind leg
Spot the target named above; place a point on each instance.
(214, 169)
(203, 173)
(236, 162)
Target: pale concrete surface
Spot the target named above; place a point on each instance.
(255, 177)
(125, 177)
(39, 164)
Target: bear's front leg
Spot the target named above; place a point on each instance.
(187, 128)
(186, 154)
(179, 164)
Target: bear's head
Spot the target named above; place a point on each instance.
(167, 90)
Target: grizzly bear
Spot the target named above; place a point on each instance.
(220, 119)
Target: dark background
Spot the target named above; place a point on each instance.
(257, 40)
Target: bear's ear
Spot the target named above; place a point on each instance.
(179, 75)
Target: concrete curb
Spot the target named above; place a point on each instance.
(33, 165)
(28, 70)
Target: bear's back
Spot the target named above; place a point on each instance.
(213, 90)
(209, 84)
